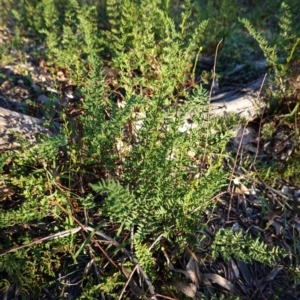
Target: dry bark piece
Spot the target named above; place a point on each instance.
(246, 102)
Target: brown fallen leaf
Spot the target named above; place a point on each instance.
(210, 278)
(271, 276)
(189, 290)
(245, 272)
(193, 270)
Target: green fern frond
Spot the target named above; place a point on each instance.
(289, 40)
(229, 244)
(270, 52)
(120, 204)
(145, 258)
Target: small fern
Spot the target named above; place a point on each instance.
(270, 52)
(161, 185)
(120, 204)
(229, 244)
(288, 37)
(280, 56)
(157, 173)
(145, 259)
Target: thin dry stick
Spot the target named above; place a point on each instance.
(166, 297)
(195, 64)
(127, 282)
(44, 239)
(132, 258)
(260, 122)
(85, 229)
(238, 151)
(86, 216)
(211, 199)
(211, 90)
(92, 239)
(214, 68)
(232, 173)
(272, 190)
(135, 268)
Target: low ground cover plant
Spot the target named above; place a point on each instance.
(121, 202)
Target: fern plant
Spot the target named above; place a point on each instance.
(156, 171)
(270, 52)
(157, 56)
(280, 56)
(162, 183)
(157, 182)
(37, 182)
(234, 244)
(222, 18)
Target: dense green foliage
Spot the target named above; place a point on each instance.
(228, 244)
(129, 162)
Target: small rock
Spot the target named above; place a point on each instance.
(20, 82)
(297, 194)
(36, 88)
(42, 98)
